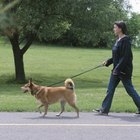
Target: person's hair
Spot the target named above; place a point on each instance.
(122, 26)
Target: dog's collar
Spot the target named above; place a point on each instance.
(71, 88)
(34, 92)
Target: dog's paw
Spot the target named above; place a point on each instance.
(40, 112)
(58, 115)
(43, 116)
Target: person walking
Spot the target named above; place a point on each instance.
(122, 58)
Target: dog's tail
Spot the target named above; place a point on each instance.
(69, 84)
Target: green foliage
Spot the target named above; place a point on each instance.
(92, 22)
(137, 41)
(134, 28)
(44, 18)
(76, 22)
(134, 25)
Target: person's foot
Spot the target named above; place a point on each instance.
(138, 113)
(103, 113)
(96, 110)
(99, 111)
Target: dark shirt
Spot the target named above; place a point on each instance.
(122, 58)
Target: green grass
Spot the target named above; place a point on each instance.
(50, 64)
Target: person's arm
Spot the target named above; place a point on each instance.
(108, 62)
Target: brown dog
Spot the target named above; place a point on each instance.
(50, 95)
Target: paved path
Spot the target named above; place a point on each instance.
(90, 126)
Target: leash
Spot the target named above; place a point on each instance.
(101, 65)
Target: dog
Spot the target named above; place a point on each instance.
(50, 95)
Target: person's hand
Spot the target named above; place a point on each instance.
(115, 73)
(104, 63)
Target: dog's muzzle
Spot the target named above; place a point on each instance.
(24, 89)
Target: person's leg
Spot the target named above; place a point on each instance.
(106, 104)
(131, 91)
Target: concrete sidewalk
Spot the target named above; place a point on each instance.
(90, 126)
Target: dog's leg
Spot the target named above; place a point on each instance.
(39, 108)
(46, 109)
(62, 108)
(75, 107)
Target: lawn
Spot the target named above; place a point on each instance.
(48, 64)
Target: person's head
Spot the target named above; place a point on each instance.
(120, 28)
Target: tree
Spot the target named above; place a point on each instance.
(8, 6)
(82, 22)
(92, 22)
(134, 25)
(134, 28)
(28, 20)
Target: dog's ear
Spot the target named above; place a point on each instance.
(30, 81)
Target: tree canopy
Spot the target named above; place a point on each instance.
(75, 22)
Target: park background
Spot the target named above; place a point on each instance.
(50, 41)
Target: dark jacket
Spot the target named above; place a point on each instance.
(122, 58)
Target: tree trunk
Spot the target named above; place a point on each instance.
(18, 58)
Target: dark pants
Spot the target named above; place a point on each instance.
(114, 81)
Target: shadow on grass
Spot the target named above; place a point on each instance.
(59, 81)
(45, 80)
